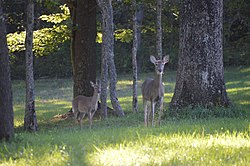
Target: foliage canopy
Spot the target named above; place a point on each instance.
(46, 40)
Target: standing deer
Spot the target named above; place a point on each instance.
(153, 90)
(86, 105)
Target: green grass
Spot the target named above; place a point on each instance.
(221, 138)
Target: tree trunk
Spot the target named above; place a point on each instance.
(134, 61)
(6, 105)
(159, 29)
(139, 17)
(200, 73)
(171, 22)
(30, 121)
(104, 80)
(83, 45)
(108, 52)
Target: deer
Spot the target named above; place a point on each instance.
(82, 105)
(153, 90)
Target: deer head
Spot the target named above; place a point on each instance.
(97, 87)
(159, 64)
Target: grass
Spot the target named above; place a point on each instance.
(211, 139)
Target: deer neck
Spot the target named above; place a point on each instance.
(95, 97)
(158, 80)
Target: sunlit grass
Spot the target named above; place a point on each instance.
(245, 70)
(238, 89)
(168, 149)
(37, 155)
(244, 102)
(125, 141)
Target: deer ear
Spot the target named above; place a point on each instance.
(166, 59)
(92, 84)
(152, 59)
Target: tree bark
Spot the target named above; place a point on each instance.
(134, 54)
(109, 36)
(83, 45)
(159, 29)
(200, 73)
(30, 121)
(139, 18)
(6, 105)
(108, 55)
(104, 85)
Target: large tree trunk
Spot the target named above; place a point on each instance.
(30, 121)
(83, 45)
(6, 105)
(200, 75)
(104, 84)
(159, 29)
(108, 55)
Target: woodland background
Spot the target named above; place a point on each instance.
(195, 135)
(52, 36)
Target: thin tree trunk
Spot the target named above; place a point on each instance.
(30, 121)
(159, 29)
(104, 66)
(6, 105)
(139, 18)
(134, 62)
(110, 58)
(108, 52)
(200, 73)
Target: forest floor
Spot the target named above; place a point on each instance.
(198, 137)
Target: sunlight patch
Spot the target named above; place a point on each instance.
(245, 102)
(18, 122)
(245, 70)
(163, 149)
(238, 89)
(119, 156)
(130, 156)
(233, 83)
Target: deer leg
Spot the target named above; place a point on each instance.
(75, 115)
(93, 114)
(80, 118)
(90, 118)
(161, 110)
(80, 123)
(153, 112)
(76, 120)
(149, 112)
(145, 113)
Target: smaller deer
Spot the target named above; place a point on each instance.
(82, 105)
(153, 90)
